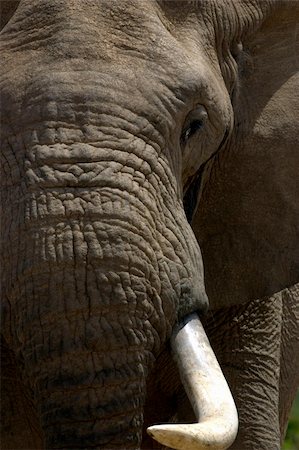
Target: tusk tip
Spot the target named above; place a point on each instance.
(167, 434)
(194, 436)
(157, 430)
(176, 436)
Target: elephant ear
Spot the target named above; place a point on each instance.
(247, 221)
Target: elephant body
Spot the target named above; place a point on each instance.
(132, 131)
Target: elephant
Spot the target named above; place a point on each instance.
(149, 176)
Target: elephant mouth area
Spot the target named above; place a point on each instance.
(197, 303)
(192, 299)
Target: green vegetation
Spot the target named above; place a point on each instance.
(292, 437)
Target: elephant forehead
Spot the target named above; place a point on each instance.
(124, 36)
(88, 105)
(91, 30)
(122, 53)
(152, 31)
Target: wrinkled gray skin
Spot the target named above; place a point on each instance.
(101, 140)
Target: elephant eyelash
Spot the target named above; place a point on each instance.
(195, 122)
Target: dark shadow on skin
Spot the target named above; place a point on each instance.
(7, 9)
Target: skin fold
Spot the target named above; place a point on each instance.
(140, 141)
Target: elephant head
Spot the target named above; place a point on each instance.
(112, 111)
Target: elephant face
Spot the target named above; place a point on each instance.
(110, 111)
(107, 129)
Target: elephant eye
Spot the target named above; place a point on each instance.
(194, 123)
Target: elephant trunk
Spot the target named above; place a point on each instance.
(208, 393)
(93, 398)
(98, 259)
(87, 325)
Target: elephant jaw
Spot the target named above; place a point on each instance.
(207, 390)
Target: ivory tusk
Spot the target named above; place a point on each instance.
(207, 390)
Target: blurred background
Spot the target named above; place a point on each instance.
(292, 437)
